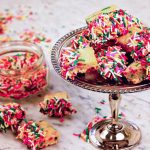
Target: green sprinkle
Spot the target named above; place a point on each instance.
(80, 39)
(105, 8)
(18, 54)
(54, 99)
(120, 116)
(75, 62)
(102, 73)
(87, 138)
(97, 110)
(102, 58)
(118, 33)
(87, 131)
(105, 117)
(148, 60)
(148, 28)
(143, 76)
(137, 64)
(140, 45)
(74, 54)
(99, 54)
(138, 21)
(116, 79)
(124, 23)
(13, 109)
(90, 37)
(103, 101)
(102, 66)
(42, 39)
(99, 71)
(122, 61)
(132, 52)
(132, 75)
(80, 59)
(10, 60)
(25, 120)
(112, 21)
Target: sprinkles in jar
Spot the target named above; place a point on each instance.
(23, 71)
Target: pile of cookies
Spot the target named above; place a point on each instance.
(114, 48)
(36, 135)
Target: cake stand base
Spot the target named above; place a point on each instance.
(107, 136)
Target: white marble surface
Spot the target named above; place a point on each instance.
(56, 18)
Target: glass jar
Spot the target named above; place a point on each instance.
(23, 70)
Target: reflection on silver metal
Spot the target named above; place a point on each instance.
(114, 100)
(113, 134)
(105, 138)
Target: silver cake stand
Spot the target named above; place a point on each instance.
(111, 134)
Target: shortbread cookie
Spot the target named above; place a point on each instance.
(74, 61)
(57, 105)
(112, 63)
(11, 115)
(37, 135)
(81, 40)
(95, 15)
(135, 72)
(137, 42)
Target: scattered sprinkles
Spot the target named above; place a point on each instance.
(8, 33)
(121, 115)
(4, 20)
(97, 110)
(105, 117)
(37, 38)
(85, 134)
(103, 102)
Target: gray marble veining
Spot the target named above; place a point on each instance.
(56, 18)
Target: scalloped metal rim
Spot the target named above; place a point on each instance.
(97, 88)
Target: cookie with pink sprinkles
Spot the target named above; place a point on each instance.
(57, 105)
(37, 135)
(112, 63)
(111, 25)
(11, 115)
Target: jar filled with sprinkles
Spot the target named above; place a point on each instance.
(23, 70)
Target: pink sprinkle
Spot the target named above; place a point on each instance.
(123, 114)
(75, 134)
(61, 120)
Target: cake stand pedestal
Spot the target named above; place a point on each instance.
(111, 134)
(115, 133)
